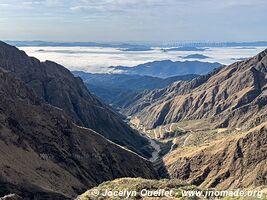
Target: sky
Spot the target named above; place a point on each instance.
(133, 20)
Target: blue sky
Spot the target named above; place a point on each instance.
(133, 20)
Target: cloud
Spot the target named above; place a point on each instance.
(118, 5)
(4, 4)
(135, 19)
(94, 59)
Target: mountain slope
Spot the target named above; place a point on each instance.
(235, 162)
(56, 85)
(168, 68)
(233, 96)
(112, 87)
(43, 155)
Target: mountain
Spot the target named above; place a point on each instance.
(141, 44)
(141, 48)
(75, 44)
(195, 56)
(57, 86)
(44, 155)
(231, 96)
(168, 68)
(184, 48)
(216, 44)
(111, 87)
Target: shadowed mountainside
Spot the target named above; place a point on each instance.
(57, 86)
(44, 155)
(111, 88)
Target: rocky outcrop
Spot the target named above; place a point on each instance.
(57, 86)
(11, 197)
(44, 155)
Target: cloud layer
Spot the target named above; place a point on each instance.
(94, 59)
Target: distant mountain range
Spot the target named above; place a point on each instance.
(215, 44)
(111, 88)
(126, 46)
(117, 89)
(167, 68)
(139, 44)
(138, 49)
(195, 56)
(184, 49)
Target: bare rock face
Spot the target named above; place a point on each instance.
(57, 86)
(232, 96)
(44, 155)
(236, 162)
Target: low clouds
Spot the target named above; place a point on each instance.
(95, 59)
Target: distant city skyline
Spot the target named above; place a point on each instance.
(133, 20)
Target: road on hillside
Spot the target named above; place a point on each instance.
(157, 148)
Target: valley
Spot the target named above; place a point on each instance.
(199, 147)
(133, 99)
(185, 123)
(183, 132)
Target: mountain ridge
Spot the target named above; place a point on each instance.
(168, 68)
